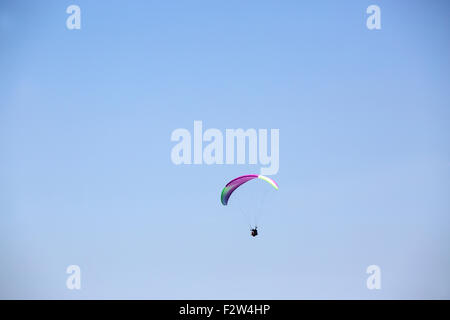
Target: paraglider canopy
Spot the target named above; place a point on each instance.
(236, 183)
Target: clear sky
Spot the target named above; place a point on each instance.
(86, 176)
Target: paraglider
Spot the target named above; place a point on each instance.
(231, 186)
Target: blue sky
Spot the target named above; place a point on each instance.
(85, 171)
